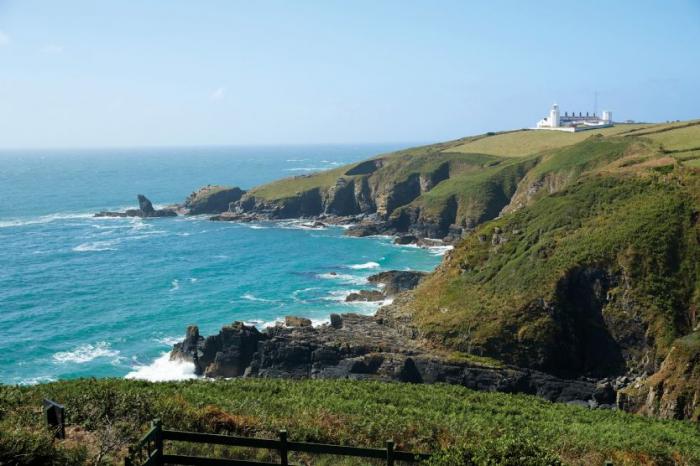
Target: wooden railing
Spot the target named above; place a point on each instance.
(149, 451)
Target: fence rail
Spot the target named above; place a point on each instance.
(149, 451)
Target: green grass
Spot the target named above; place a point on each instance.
(680, 139)
(529, 142)
(483, 296)
(419, 417)
(290, 187)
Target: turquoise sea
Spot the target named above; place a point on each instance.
(81, 296)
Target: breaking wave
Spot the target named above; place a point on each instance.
(86, 353)
(163, 369)
(366, 265)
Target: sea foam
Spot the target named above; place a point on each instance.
(86, 353)
(163, 369)
(343, 278)
(366, 265)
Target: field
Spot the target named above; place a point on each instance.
(528, 142)
(108, 414)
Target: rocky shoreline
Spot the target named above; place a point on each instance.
(223, 204)
(360, 347)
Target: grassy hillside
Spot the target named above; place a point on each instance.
(106, 415)
(442, 189)
(527, 142)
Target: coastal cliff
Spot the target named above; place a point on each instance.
(575, 256)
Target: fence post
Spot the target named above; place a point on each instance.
(55, 417)
(284, 460)
(389, 453)
(129, 459)
(158, 437)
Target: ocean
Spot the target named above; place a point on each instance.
(107, 297)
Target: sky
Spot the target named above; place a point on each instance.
(125, 73)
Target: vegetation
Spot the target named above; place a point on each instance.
(580, 258)
(462, 426)
(526, 142)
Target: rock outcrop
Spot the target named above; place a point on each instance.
(145, 210)
(396, 281)
(365, 295)
(212, 200)
(674, 391)
(363, 348)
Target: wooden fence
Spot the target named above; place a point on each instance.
(150, 451)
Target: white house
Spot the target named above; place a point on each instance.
(572, 123)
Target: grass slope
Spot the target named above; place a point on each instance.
(112, 413)
(527, 142)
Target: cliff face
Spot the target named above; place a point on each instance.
(674, 391)
(428, 192)
(211, 199)
(576, 259)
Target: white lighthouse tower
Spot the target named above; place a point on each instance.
(554, 119)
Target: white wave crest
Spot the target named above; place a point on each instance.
(37, 380)
(339, 295)
(86, 353)
(343, 278)
(19, 222)
(93, 246)
(163, 369)
(168, 341)
(174, 285)
(252, 297)
(366, 265)
(440, 250)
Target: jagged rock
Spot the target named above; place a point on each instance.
(227, 354)
(365, 295)
(405, 239)
(294, 321)
(363, 347)
(363, 230)
(145, 210)
(336, 321)
(396, 281)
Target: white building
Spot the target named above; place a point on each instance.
(572, 123)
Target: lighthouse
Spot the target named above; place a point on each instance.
(554, 119)
(573, 123)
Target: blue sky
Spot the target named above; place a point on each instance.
(87, 73)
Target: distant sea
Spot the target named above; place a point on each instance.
(81, 296)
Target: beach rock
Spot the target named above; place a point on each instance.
(294, 321)
(365, 295)
(396, 281)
